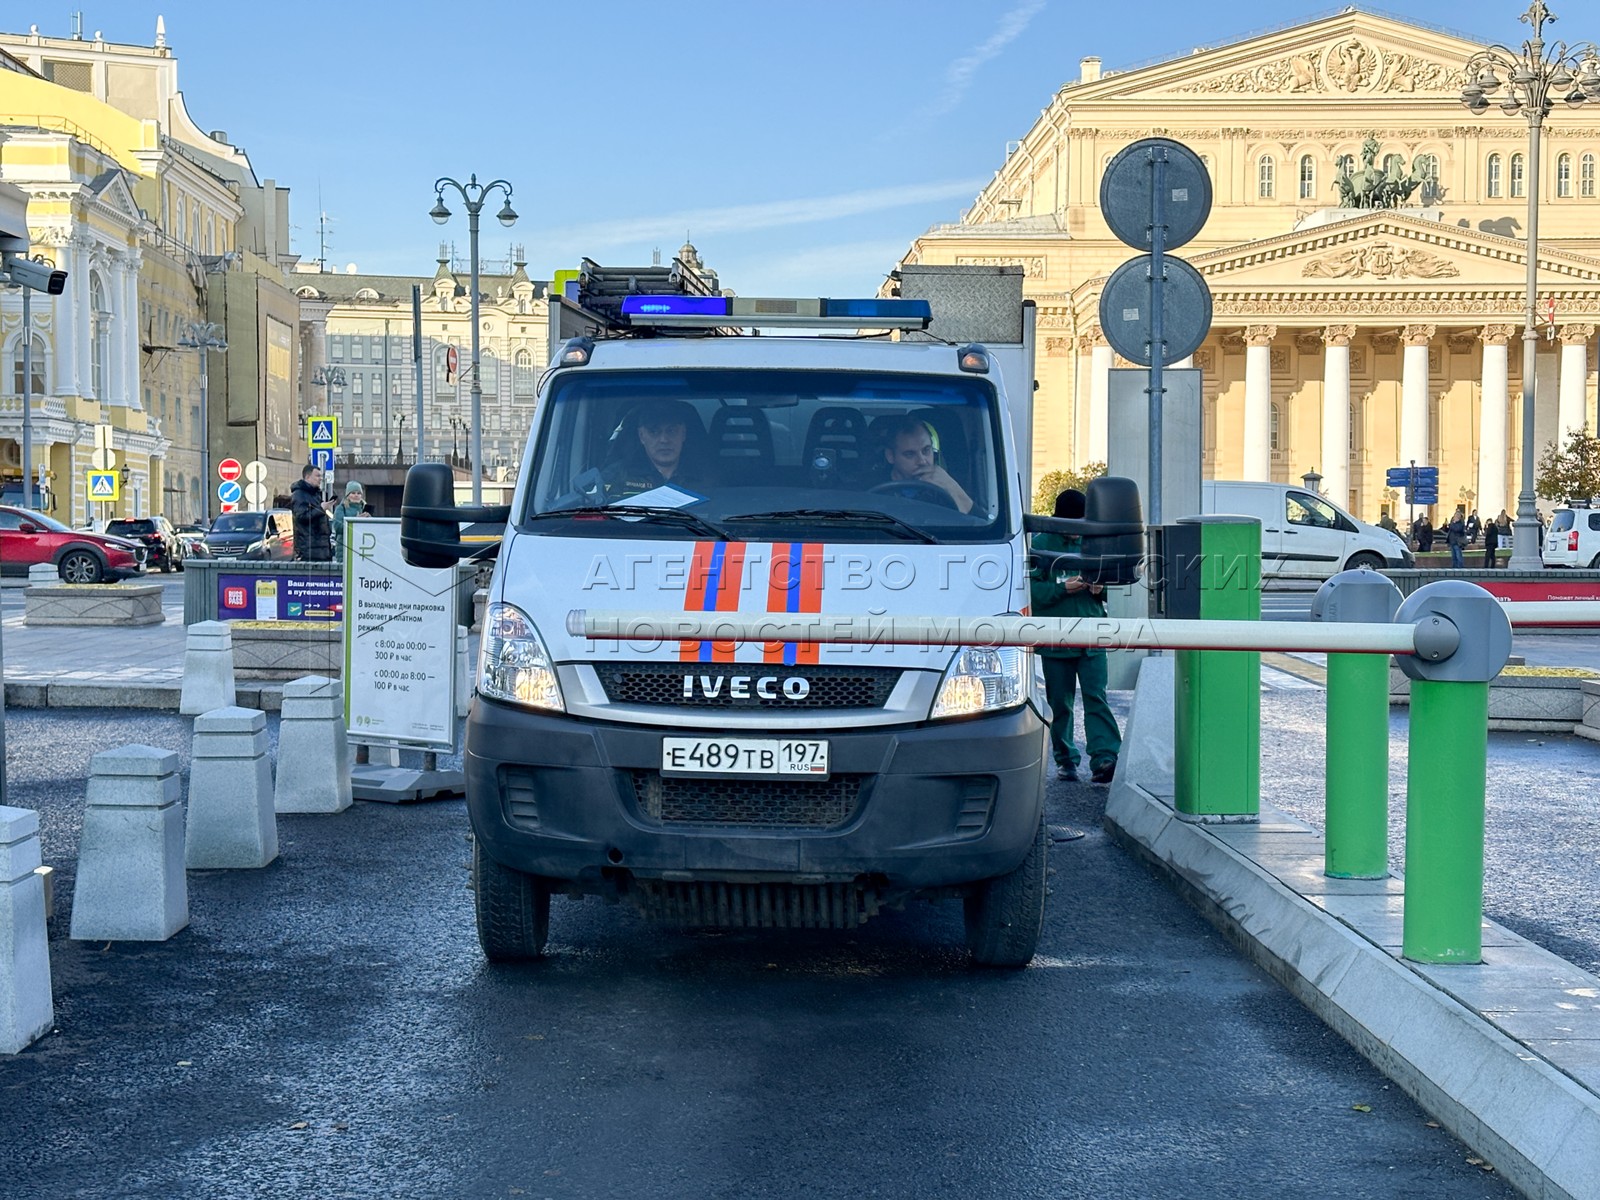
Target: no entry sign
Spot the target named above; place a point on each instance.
(229, 469)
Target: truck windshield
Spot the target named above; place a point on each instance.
(772, 454)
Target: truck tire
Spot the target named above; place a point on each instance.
(1365, 559)
(513, 910)
(1005, 916)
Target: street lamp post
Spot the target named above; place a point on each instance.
(204, 336)
(400, 437)
(1534, 76)
(473, 194)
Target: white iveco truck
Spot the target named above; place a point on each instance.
(678, 463)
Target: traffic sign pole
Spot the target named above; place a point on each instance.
(1158, 345)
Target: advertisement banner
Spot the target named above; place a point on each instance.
(243, 596)
(280, 430)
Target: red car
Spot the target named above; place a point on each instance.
(28, 537)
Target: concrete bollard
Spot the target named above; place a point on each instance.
(231, 822)
(26, 1009)
(44, 573)
(464, 672)
(207, 669)
(313, 755)
(131, 886)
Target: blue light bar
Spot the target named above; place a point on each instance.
(869, 310)
(674, 306)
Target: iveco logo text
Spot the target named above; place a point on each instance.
(740, 687)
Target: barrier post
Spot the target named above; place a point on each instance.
(1447, 774)
(1217, 693)
(1356, 775)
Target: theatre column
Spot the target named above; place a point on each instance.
(1336, 410)
(1100, 360)
(1493, 459)
(1570, 406)
(1414, 395)
(1258, 401)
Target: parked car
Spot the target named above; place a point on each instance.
(79, 556)
(1573, 538)
(240, 535)
(276, 543)
(164, 550)
(1305, 536)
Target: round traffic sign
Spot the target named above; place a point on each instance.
(103, 459)
(255, 470)
(1128, 189)
(229, 468)
(1125, 310)
(450, 359)
(255, 493)
(228, 491)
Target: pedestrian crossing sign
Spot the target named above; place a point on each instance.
(322, 433)
(104, 486)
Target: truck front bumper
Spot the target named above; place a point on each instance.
(917, 807)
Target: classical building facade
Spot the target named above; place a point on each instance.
(1343, 340)
(361, 324)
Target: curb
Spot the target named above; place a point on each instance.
(1534, 1116)
(45, 693)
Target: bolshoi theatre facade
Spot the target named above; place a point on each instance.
(1343, 340)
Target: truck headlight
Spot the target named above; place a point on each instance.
(984, 679)
(513, 664)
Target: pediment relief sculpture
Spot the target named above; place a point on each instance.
(1347, 65)
(1381, 260)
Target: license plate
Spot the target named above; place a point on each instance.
(744, 756)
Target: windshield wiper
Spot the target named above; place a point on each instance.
(672, 516)
(843, 516)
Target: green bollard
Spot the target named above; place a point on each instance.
(1215, 574)
(1463, 640)
(1357, 759)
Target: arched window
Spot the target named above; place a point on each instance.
(36, 368)
(1492, 178)
(1266, 177)
(100, 337)
(1345, 162)
(209, 242)
(523, 377)
(1209, 416)
(1427, 168)
(1277, 428)
(1564, 175)
(1308, 177)
(1519, 176)
(1586, 177)
(182, 224)
(194, 225)
(1353, 438)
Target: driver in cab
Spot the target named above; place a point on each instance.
(655, 453)
(911, 458)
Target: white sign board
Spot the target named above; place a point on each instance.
(399, 641)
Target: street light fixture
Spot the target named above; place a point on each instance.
(473, 194)
(204, 336)
(1535, 77)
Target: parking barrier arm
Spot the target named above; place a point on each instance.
(1431, 638)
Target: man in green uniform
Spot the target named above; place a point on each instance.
(1067, 594)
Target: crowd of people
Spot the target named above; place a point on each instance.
(1460, 533)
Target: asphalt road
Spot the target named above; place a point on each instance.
(326, 1027)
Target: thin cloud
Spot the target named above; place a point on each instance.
(745, 218)
(959, 74)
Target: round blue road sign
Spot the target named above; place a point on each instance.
(228, 491)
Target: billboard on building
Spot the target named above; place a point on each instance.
(280, 429)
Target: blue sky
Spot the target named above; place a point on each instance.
(801, 146)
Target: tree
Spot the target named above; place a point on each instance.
(1053, 483)
(1572, 473)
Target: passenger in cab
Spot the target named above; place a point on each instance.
(657, 450)
(911, 456)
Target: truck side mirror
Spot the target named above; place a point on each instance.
(1112, 529)
(430, 533)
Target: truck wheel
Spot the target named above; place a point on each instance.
(80, 567)
(1364, 559)
(513, 910)
(1006, 915)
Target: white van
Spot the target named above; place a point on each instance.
(1573, 539)
(1303, 535)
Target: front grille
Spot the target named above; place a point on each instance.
(759, 905)
(761, 803)
(662, 685)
